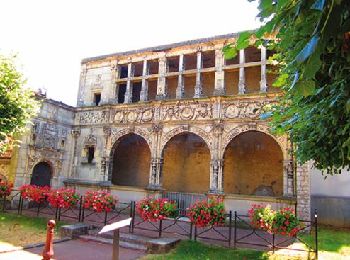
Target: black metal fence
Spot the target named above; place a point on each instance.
(249, 235)
(237, 227)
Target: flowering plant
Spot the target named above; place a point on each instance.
(207, 213)
(282, 221)
(34, 193)
(62, 198)
(99, 201)
(5, 188)
(152, 209)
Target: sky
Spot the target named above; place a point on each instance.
(51, 37)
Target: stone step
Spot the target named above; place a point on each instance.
(109, 241)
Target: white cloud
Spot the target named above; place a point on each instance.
(52, 37)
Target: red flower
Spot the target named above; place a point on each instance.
(5, 188)
(63, 198)
(151, 209)
(34, 193)
(99, 201)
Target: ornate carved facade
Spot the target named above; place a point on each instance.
(176, 110)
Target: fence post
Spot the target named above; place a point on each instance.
(19, 204)
(316, 235)
(235, 231)
(56, 214)
(80, 208)
(273, 243)
(106, 213)
(38, 211)
(59, 214)
(230, 230)
(133, 216)
(4, 203)
(160, 228)
(191, 228)
(195, 233)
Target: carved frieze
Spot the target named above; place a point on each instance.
(36, 155)
(46, 135)
(187, 111)
(244, 109)
(137, 115)
(94, 117)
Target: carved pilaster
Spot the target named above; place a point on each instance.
(216, 180)
(75, 133)
(156, 171)
(288, 169)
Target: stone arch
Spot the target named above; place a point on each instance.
(186, 129)
(253, 165)
(186, 163)
(42, 173)
(116, 135)
(282, 140)
(130, 160)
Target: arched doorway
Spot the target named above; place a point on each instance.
(186, 166)
(41, 175)
(253, 165)
(131, 161)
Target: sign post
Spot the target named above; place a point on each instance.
(115, 228)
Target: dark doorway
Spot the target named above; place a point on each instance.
(41, 175)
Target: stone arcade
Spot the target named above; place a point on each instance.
(177, 119)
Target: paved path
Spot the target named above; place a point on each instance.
(74, 250)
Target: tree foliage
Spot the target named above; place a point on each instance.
(17, 104)
(312, 42)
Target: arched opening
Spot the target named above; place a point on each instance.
(253, 165)
(186, 164)
(131, 161)
(41, 175)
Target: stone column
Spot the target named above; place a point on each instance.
(219, 74)
(241, 82)
(303, 192)
(128, 92)
(216, 177)
(263, 86)
(180, 90)
(75, 133)
(144, 87)
(156, 171)
(81, 91)
(162, 91)
(288, 178)
(198, 89)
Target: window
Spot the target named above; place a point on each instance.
(121, 93)
(90, 154)
(97, 98)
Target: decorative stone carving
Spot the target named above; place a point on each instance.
(156, 128)
(90, 140)
(186, 110)
(218, 128)
(243, 109)
(36, 155)
(94, 117)
(75, 132)
(138, 115)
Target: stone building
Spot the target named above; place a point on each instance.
(176, 119)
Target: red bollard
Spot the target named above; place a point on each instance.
(48, 249)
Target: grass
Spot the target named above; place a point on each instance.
(333, 245)
(21, 230)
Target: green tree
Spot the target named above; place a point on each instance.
(312, 41)
(17, 104)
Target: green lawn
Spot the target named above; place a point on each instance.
(22, 230)
(333, 245)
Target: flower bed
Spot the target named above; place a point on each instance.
(34, 193)
(282, 221)
(63, 198)
(5, 188)
(99, 201)
(207, 213)
(151, 209)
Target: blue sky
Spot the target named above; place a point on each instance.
(52, 37)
